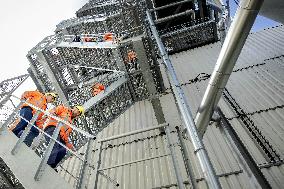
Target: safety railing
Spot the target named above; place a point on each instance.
(53, 139)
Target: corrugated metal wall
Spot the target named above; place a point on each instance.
(257, 86)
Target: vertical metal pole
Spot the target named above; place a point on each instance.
(188, 165)
(229, 54)
(82, 184)
(98, 165)
(199, 149)
(25, 133)
(43, 163)
(174, 159)
(9, 119)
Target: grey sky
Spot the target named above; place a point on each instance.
(23, 24)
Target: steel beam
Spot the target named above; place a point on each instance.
(35, 80)
(228, 56)
(149, 79)
(165, 19)
(83, 177)
(98, 164)
(170, 5)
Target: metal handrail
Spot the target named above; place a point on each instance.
(186, 115)
(58, 119)
(42, 131)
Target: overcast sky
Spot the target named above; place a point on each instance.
(23, 24)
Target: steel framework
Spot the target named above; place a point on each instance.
(79, 55)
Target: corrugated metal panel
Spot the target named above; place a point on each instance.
(257, 84)
(262, 85)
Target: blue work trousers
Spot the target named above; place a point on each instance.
(58, 152)
(27, 113)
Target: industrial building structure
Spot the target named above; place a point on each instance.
(169, 117)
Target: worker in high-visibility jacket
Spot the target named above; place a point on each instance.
(39, 100)
(97, 88)
(67, 114)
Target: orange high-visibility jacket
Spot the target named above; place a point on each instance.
(97, 88)
(35, 98)
(64, 113)
(108, 37)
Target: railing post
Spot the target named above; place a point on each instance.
(25, 133)
(84, 170)
(43, 163)
(98, 165)
(187, 163)
(174, 159)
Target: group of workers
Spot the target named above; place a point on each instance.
(46, 123)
